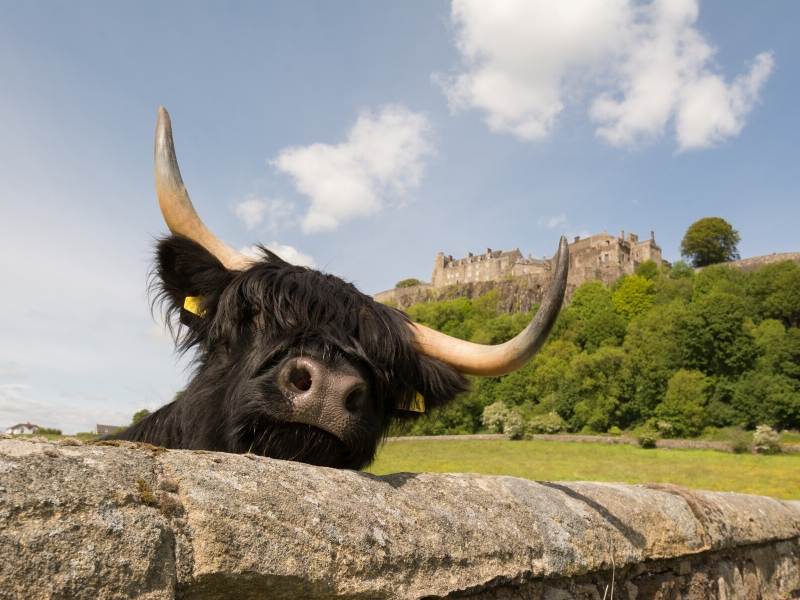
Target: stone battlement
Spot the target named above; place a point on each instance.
(601, 257)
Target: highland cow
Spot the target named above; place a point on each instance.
(293, 363)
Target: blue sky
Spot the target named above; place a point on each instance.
(362, 137)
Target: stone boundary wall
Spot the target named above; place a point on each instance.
(120, 520)
(756, 262)
(669, 443)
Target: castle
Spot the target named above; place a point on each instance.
(601, 257)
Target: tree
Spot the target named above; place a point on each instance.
(591, 321)
(648, 269)
(714, 338)
(710, 240)
(410, 282)
(633, 296)
(139, 415)
(762, 397)
(684, 406)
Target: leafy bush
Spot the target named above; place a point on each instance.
(647, 437)
(615, 431)
(139, 415)
(549, 423)
(766, 440)
(494, 417)
(741, 442)
(406, 283)
(48, 431)
(514, 425)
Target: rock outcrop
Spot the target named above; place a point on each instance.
(133, 521)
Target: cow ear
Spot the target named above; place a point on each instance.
(437, 384)
(184, 269)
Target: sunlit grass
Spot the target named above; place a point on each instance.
(777, 476)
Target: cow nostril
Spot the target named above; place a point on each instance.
(300, 378)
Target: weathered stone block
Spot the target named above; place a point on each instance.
(101, 521)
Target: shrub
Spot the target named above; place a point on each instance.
(647, 436)
(514, 425)
(48, 431)
(494, 417)
(139, 415)
(741, 441)
(549, 423)
(615, 431)
(765, 440)
(405, 283)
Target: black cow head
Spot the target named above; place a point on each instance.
(293, 363)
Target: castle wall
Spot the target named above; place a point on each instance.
(602, 257)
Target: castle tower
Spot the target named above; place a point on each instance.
(437, 278)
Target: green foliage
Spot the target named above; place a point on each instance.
(494, 417)
(647, 437)
(766, 440)
(597, 384)
(713, 336)
(634, 296)
(776, 292)
(139, 415)
(591, 320)
(406, 283)
(684, 405)
(676, 350)
(48, 431)
(648, 269)
(547, 423)
(653, 353)
(710, 240)
(767, 398)
(680, 270)
(514, 425)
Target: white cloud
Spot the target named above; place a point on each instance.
(288, 253)
(645, 64)
(381, 158)
(552, 222)
(253, 211)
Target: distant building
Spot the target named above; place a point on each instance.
(600, 257)
(22, 429)
(108, 429)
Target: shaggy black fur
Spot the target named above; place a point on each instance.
(258, 318)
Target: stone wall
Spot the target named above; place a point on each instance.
(127, 521)
(756, 262)
(600, 257)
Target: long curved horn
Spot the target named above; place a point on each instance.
(177, 208)
(479, 359)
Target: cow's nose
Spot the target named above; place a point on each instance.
(323, 395)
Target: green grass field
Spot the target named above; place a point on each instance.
(777, 476)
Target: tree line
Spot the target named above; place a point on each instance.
(668, 349)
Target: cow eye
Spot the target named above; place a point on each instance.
(300, 379)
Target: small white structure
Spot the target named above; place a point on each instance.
(22, 428)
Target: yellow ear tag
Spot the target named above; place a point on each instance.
(192, 304)
(417, 404)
